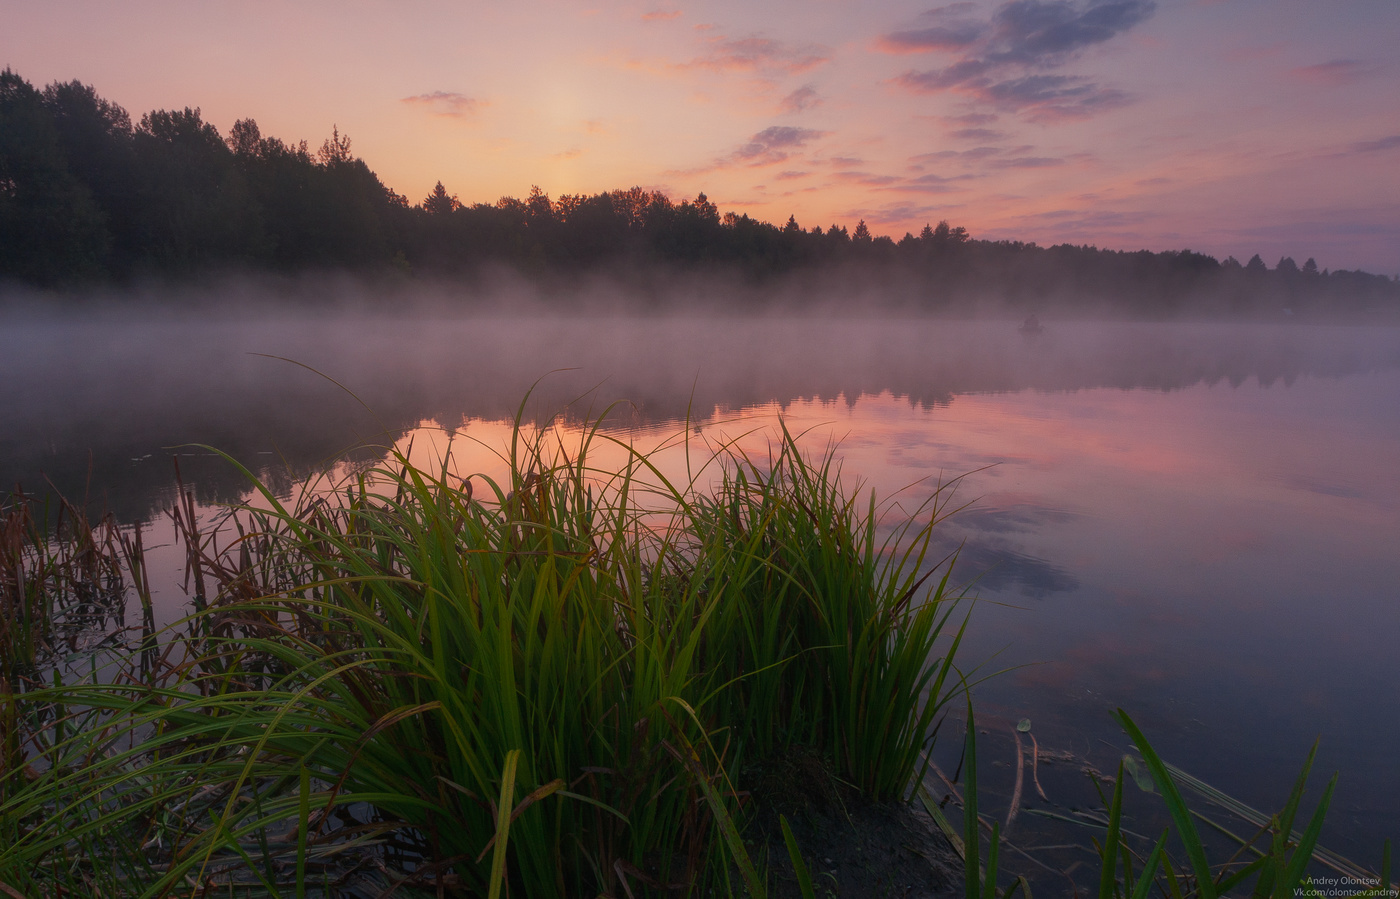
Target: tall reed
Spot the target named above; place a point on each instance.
(60, 575)
(836, 613)
(547, 683)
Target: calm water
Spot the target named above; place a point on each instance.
(1197, 523)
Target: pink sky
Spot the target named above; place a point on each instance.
(1229, 127)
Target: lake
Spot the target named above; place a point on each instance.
(1199, 523)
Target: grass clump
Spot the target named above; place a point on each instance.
(537, 685)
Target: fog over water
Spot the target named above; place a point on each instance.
(125, 387)
(1195, 521)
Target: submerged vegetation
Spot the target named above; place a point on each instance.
(1273, 863)
(557, 683)
(87, 195)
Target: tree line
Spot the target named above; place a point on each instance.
(89, 196)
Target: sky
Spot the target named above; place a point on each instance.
(1230, 127)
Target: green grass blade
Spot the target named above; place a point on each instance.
(503, 810)
(1112, 839)
(972, 867)
(1176, 807)
(1298, 863)
(799, 867)
(1148, 875)
(303, 827)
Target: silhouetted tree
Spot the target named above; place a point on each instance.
(335, 150)
(50, 227)
(707, 211)
(439, 203)
(245, 139)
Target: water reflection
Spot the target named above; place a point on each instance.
(103, 398)
(1197, 523)
(987, 540)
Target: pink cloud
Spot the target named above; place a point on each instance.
(868, 179)
(770, 146)
(447, 104)
(800, 100)
(1333, 73)
(661, 15)
(972, 118)
(759, 55)
(1041, 98)
(944, 28)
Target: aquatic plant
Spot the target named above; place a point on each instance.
(63, 579)
(1279, 869)
(540, 685)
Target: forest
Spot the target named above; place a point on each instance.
(89, 197)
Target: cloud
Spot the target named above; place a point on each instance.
(1334, 73)
(800, 100)
(936, 179)
(790, 175)
(899, 213)
(1373, 146)
(944, 28)
(1038, 98)
(1026, 162)
(977, 134)
(1031, 32)
(1081, 221)
(923, 184)
(447, 104)
(1005, 60)
(846, 161)
(976, 154)
(939, 37)
(759, 55)
(774, 144)
(978, 161)
(931, 184)
(1363, 147)
(661, 15)
(869, 179)
(1054, 97)
(770, 146)
(972, 118)
(764, 62)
